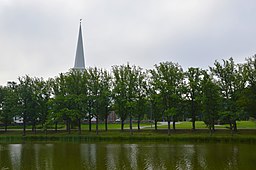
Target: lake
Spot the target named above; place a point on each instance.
(127, 156)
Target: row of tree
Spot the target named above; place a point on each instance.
(225, 92)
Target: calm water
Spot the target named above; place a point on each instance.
(127, 156)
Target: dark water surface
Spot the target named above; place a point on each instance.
(127, 156)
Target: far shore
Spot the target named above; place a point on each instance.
(143, 135)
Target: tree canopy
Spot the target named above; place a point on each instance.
(226, 92)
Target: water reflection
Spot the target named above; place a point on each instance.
(126, 156)
(15, 155)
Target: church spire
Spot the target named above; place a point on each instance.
(79, 60)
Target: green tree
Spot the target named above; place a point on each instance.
(41, 93)
(105, 99)
(228, 76)
(193, 91)
(124, 88)
(76, 96)
(155, 100)
(95, 89)
(248, 97)
(211, 99)
(168, 81)
(68, 103)
(8, 103)
(141, 103)
(26, 100)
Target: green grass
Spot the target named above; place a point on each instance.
(246, 133)
(115, 126)
(102, 126)
(187, 125)
(246, 124)
(161, 135)
(179, 125)
(202, 125)
(30, 127)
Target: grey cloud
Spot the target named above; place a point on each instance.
(39, 37)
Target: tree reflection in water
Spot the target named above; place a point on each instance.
(126, 156)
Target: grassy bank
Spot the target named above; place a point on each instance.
(179, 125)
(246, 133)
(161, 125)
(200, 135)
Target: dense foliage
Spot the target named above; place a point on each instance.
(223, 94)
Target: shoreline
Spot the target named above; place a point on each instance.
(181, 135)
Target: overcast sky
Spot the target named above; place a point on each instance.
(39, 37)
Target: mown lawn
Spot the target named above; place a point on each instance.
(116, 126)
(199, 125)
(246, 124)
(246, 133)
(161, 125)
(114, 135)
(202, 125)
(179, 125)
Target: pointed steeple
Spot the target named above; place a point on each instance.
(79, 60)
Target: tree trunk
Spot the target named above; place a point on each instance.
(69, 126)
(97, 124)
(32, 128)
(45, 128)
(106, 122)
(90, 123)
(72, 125)
(234, 126)
(213, 129)
(79, 126)
(56, 126)
(35, 129)
(122, 125)
(131, 131)
(24, 124)
(210, 129)
(213, 125)
(5, 127)
(193, 124)
(193, 115)
(230, 125)
(139, 123)
(174, 124)
(155, 124)
(169, 126)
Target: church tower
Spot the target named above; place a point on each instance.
(79, 60)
